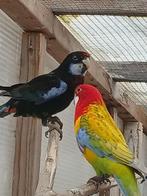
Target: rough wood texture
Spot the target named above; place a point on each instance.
(32, 15)
(132, 71)
(137, 111)
(133, 132)
(101, 7)
(46, 179)
(85, 190)
(28, 133)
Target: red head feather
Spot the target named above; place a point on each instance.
(87, 94)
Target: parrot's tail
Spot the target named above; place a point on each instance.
(128, 183)
(7, 108)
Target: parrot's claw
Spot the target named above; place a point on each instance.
(51, 121)
(104, 179)
(58, 130)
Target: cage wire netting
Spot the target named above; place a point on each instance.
(118, 43)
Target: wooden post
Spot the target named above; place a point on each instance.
(134, 136)
(28, 132)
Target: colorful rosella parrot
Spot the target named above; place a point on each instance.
(47, 94)
(101, 141)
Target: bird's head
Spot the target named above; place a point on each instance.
(85, 95)
(77, 63)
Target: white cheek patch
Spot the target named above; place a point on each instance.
(76, 69)
(76, 99)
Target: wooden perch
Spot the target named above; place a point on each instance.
(85, 190)
(46, 179)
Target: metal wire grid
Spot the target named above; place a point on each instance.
(114, 39)
(137, 92)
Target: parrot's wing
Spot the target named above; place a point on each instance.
(40, 89)
(98, 132)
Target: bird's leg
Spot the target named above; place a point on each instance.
(52, 120)
(100, 179)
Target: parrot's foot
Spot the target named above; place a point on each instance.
(51, 121)
(98, 180)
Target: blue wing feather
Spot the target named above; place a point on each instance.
(83, 140)
(53, 92)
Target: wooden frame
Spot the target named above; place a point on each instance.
(127, 71)
(101, 7)
(28, 133)
(33, 16)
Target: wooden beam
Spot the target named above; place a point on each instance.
(126, 71)
(101, 7)
(32, 15)
(129, 79)
(137, 111)
(29, 130)
(133, 132)
(25, 13)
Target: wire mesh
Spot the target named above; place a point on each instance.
(119, 43)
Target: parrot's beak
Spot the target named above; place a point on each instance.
(86, 62)
(86, 54)
(76, 99)
(86, 59)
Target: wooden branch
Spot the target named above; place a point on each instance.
(46, 179)
(32, 15)
(84, 190)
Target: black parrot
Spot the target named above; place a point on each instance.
(46, 94)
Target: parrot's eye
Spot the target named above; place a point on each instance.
(78, 90)
(74, 58)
